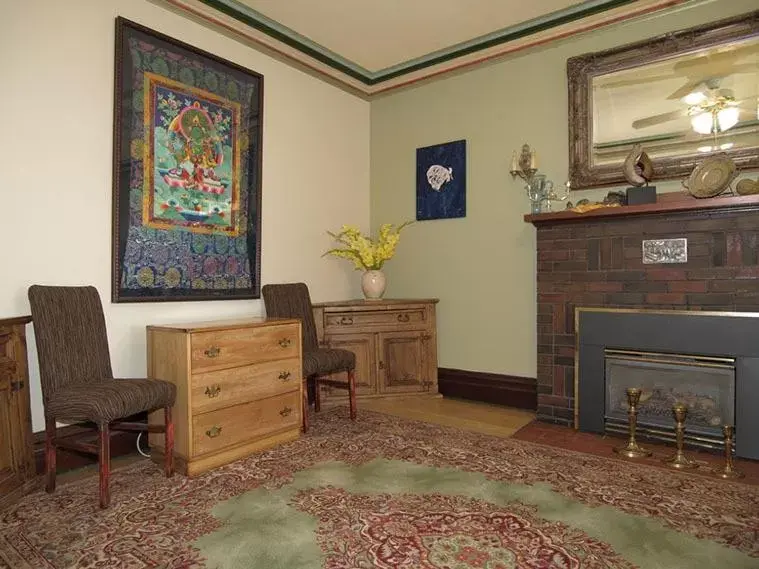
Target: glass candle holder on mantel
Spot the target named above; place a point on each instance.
(538, 188)
(542, 194)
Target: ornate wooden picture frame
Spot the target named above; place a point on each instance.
(186, 172)
(581, 71)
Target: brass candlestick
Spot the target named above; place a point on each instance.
(631, 449)
(679, 460)
(729, 472)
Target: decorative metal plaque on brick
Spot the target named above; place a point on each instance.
(659, 251)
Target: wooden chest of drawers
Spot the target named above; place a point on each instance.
(395, 342)
(238, 388)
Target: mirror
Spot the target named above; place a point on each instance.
(683, 96)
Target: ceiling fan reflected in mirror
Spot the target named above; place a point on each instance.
(711, 109)
(695, 69)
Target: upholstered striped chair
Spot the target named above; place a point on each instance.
(292, 300)
(78, 384)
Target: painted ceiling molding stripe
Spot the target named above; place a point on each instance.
(256, 20)
(199, 12)
(506, 35)
(536, 40)
(203, 13)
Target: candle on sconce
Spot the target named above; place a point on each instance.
(514, 162)
(534, 160)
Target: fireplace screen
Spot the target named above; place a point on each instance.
(705, 385)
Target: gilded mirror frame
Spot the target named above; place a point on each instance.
(582, 69)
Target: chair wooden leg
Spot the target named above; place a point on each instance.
(50, 466)
(352, 392)
(168, 458)
(317, 396)
(305, 407)
(104, 456)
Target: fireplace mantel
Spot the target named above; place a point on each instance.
(668, 203)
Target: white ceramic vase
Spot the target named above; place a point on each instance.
(373, 284)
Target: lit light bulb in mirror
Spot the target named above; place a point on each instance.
(702, 123)
(694, 98)
(727, 118)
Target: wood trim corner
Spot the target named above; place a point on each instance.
(501, 389)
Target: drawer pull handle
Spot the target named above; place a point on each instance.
(347, 320)
(213, 390)
(284, 375)
(213, 432)
(213, 351)
(285, 342)
(285, 412)
(403, 318)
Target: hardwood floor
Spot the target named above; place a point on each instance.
(467, 415)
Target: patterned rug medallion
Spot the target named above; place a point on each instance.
(391, 493)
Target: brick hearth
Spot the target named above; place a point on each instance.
(597, 262)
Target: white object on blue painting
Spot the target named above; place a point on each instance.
(438, 175)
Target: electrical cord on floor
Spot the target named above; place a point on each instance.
(143, 453)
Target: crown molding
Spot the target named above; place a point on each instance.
(254, 29)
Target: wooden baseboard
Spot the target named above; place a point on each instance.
(510, 390)
(122, 443)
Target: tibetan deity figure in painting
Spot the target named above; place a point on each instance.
(194, 185)
(192, 139)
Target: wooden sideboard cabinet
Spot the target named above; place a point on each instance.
(17, 474)
(395, 342)
(239, 388)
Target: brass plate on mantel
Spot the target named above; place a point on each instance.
(711, 177)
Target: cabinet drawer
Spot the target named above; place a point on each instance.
(213, 389)
(226, 348)
(216, 430)
(377, 319)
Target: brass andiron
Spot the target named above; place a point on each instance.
(679, 460)
(729, 471)
(631, 449)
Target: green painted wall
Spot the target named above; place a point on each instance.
(482, 267)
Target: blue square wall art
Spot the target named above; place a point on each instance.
(441, 181)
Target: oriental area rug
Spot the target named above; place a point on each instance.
(392, 493)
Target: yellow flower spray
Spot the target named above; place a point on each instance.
(367, 254)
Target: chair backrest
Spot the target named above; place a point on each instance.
(292, 300)
(72, 341)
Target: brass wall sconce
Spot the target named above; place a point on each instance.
(526, 165)
(540, 190)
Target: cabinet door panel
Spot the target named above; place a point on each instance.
(365, 347)
(402, 363)
(16, 465)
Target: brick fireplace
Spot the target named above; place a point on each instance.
(595, 260)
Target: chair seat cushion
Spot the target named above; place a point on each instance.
(110, 399)
(327, 360)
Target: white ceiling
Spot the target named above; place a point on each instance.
(377, 34)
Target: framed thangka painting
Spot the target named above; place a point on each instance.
(186, 174)
(441, 181)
